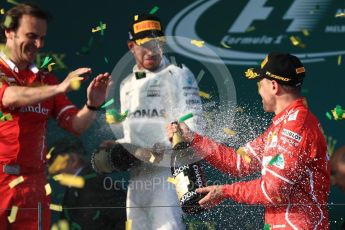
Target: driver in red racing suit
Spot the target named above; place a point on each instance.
(291, 154)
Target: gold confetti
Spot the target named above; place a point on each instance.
(70, 180)
(152, 158)
(8, 21)
(48, 189)
(339, 60)
(229, 132)
(12, 2)
(171, 180)
(16, 181)
(225, 45)
(63, 225)
(136, 18)
(58, 164)
(239, 110)
(98, 28)
(294, 40)
(55, 207)
(13, 214)
(197, 43)
(49, 154)
(342, 14)
(75, 84)
(129, 224)
(305, 32)
(2, 11)
(204, 95)
(243, 154)
(50, 66)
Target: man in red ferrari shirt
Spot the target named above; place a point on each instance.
(28, 96)
(291, 154)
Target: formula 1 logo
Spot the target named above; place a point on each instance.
(242, 32)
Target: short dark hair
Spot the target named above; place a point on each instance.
(292, 89)
(16, 14)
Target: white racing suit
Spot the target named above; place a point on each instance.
(154, 101)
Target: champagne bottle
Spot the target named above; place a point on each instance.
(188, 175)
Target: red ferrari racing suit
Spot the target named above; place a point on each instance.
(295, 172)
(22, 146)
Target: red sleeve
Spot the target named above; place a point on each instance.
(3, 87)
(227, 159)
(63, 109)
(280, 175)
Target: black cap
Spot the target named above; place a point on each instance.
(285, 68)
(144, 28)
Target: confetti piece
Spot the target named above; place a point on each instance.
(171, 180)
(106, 104)
(154, 10)
(13, 214)
(267, 227)
(50, 66)
(339, 60)
(46, 61)
(63, 225)
(75, 84)
(229, 132)
(70, 180)
(8, 21)
(96, 216)
(48, 189)
(342, 14)
(331, 145)
(243, 154)
(54, 227)
(197, 43)
(16, 181)
(6, 117)
(112, 116)
(328, 115)
(305, 32)
(106, 60)
(204, 95)
(102, 27)
(13, 2)
(185, 117)
(152, 158)
(239, 110)
(2, 11)
(99, 28)
(274, 159)
(58, 164)
(296, 41)
(225, 45)
(136, 18)
(49, 154)
(55, 207)
(129, 224)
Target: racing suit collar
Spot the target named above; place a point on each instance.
(164, 63)
(13, 66)
(289, 109)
